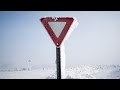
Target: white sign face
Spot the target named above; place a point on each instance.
(57, 27)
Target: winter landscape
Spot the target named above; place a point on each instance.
(81, 72)
(90, 44)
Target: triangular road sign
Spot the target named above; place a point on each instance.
(57, 28)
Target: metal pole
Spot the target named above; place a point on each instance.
(58, 59)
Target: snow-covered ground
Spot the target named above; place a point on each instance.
(32, 74)
(94, 72)
(81, 72)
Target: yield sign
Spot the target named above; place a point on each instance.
(57, 28)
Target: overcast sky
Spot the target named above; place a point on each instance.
(96, 40)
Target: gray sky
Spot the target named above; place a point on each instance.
(96, 40)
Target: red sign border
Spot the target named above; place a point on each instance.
(57, 41)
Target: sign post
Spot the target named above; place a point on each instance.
(57, 28)
(58, 62)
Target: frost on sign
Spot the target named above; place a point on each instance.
(57, 27)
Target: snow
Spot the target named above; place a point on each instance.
(81, 72)
(55, 18)
(63, 59)
(72, 27)
(32, 74)
(94, 72)
(63, 73)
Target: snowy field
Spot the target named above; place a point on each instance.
(81, 72)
